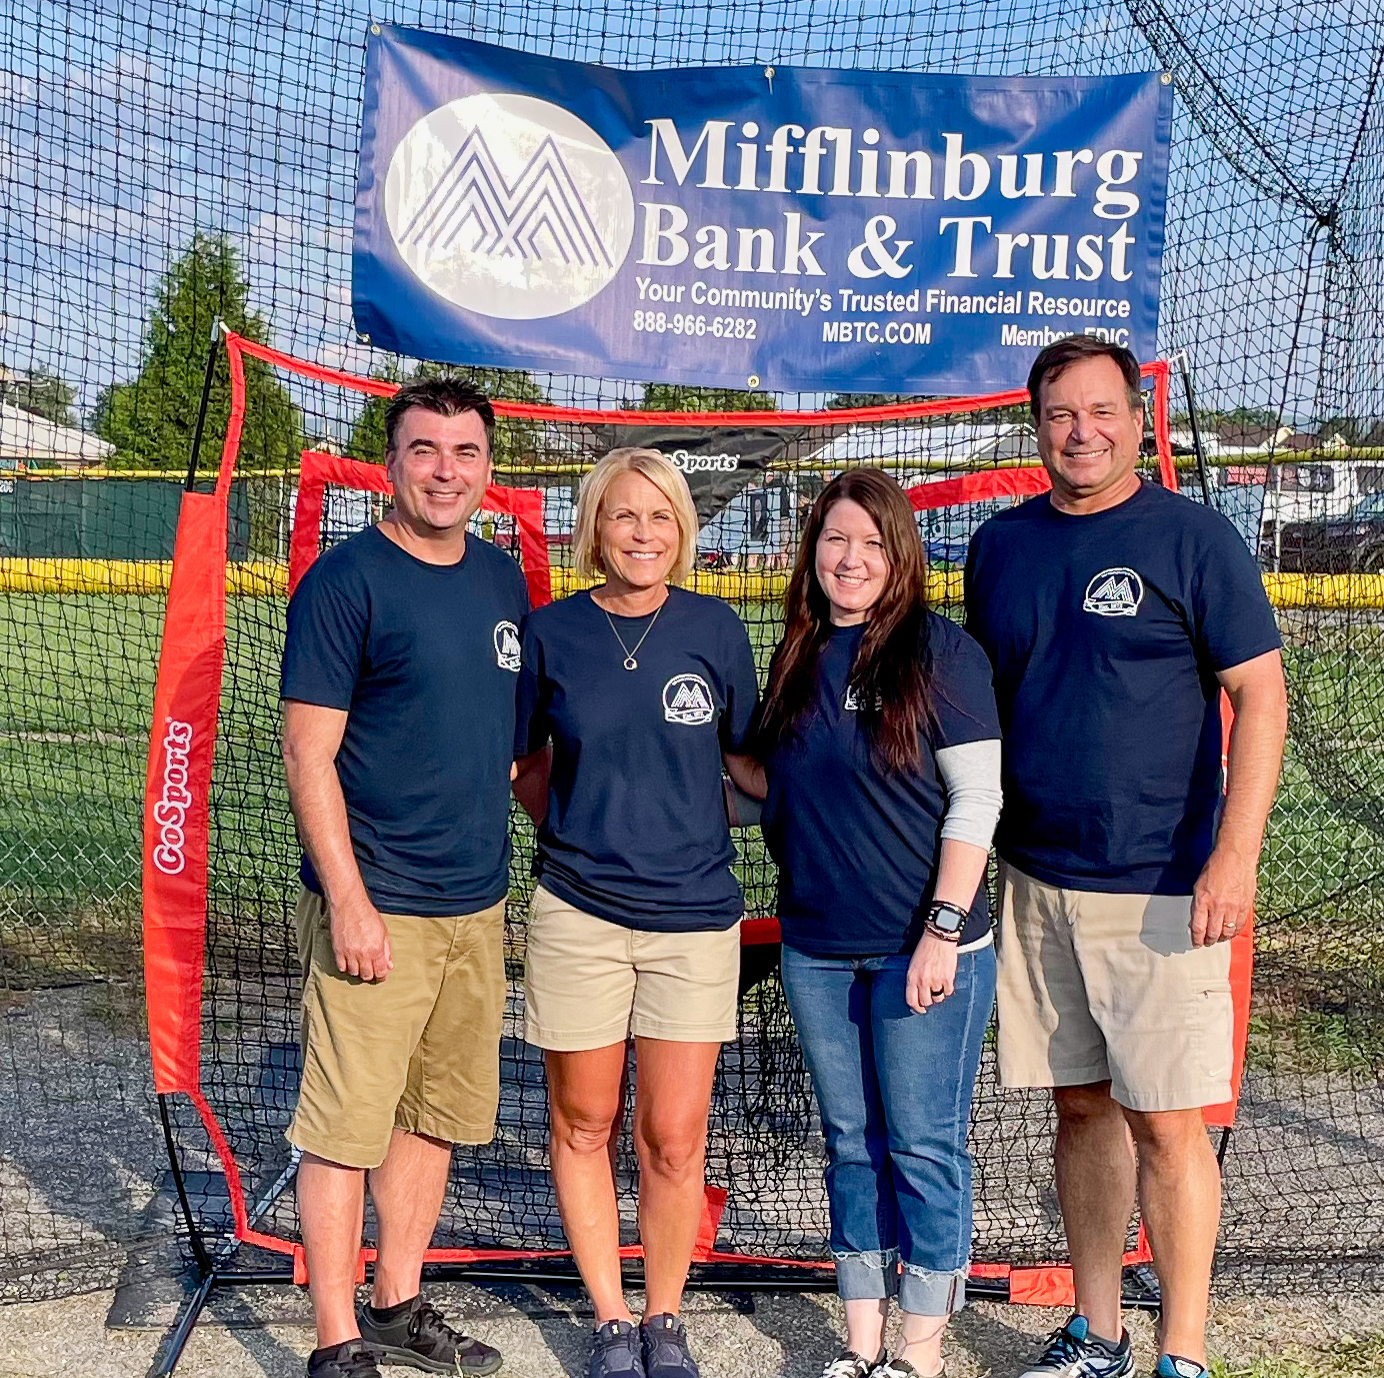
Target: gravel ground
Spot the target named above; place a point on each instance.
(544, 1335)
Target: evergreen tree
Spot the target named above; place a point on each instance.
(151, 420)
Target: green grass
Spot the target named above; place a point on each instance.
(1362, 1357)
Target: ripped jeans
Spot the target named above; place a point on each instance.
(894, 1091)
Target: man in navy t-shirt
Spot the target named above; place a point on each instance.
(1114, 613)
(400, 666)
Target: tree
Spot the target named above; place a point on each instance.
(849, 401)
(151, 420)
(679, 397)
(514, 441)
(42, 393)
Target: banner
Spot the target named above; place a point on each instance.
(753, 227)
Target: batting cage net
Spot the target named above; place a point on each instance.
(185, 164)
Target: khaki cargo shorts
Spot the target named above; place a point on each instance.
(418, 1051)
(589, 983)
(1100, 987)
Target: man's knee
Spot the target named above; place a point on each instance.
(1168, 1133)
(1078, 1106)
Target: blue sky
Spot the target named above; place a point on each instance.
(125, 127)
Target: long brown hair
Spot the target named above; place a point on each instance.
(890, 675)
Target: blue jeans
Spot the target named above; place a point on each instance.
(894, 1091)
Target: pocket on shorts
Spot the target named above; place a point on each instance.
(1216, 1019)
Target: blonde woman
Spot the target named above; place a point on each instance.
(641, 689)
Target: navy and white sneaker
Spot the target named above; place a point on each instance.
(1174, 1366)
(616, 1351)
(1073, 1352)
(665, 1348)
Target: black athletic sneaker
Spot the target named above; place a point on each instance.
(354, 1359)
(900, 1368)
(616, 1351)
(414, 1333)
(1073, 1352)
(665, 1348)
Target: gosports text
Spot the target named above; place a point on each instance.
(170, 812)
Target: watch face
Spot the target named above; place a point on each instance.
(948, 918)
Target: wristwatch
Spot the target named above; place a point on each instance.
(945, 920)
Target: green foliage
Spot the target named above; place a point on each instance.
(42, 393)
(677, 397)
(514, 441)
(844, 401)
(151, 420)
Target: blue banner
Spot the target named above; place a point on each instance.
(783, 228)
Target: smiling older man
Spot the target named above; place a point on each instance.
(399, 675)
(1114, 612)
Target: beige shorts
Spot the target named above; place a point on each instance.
(418, 1051)
(589, 983)
(1099, 987)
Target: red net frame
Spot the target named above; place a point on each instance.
(183, 735)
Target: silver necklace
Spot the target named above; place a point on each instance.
(630, 662)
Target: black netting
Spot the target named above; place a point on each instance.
(166, 164)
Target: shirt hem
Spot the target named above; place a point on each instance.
(698, 922)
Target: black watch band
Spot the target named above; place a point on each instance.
(945, 920)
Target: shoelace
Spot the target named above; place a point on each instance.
(847, 1365)
(427, 1321)
(1062, 1348)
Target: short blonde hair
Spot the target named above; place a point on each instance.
(665, 476)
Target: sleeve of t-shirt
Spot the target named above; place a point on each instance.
(742, 690)
(531, 729)
(1232, 618)
(963, 693)
(969, 597)
(328, 618)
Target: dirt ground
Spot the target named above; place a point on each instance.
(543, 1333)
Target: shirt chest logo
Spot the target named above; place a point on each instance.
(507, 646)
(854, 701)
(687, 700)
(1114, 593)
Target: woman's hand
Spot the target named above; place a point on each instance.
(931, 973)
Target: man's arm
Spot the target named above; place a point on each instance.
(312, 736)
(1224, 893)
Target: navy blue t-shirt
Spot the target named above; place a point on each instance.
(1106, 633)
(424, 659)
(857, 845)
(636, 829)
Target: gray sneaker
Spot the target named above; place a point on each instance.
(1072, 1352)
(616, 1351)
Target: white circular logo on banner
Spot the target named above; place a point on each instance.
(509, 206)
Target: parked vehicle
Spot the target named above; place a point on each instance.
(1349, 544)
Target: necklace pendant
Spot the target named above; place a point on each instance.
(631, 663)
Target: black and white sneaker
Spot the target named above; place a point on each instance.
(849, 1364)
(616, 1351)
(353, 1359)
(1073, 1352)
(665, 1348)
(414, 1333)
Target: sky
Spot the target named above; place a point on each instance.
(125, 126)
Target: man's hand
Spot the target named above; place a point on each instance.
(931, 973)
(360, 941)
(1223, 897)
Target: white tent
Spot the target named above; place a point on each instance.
(38, 443)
